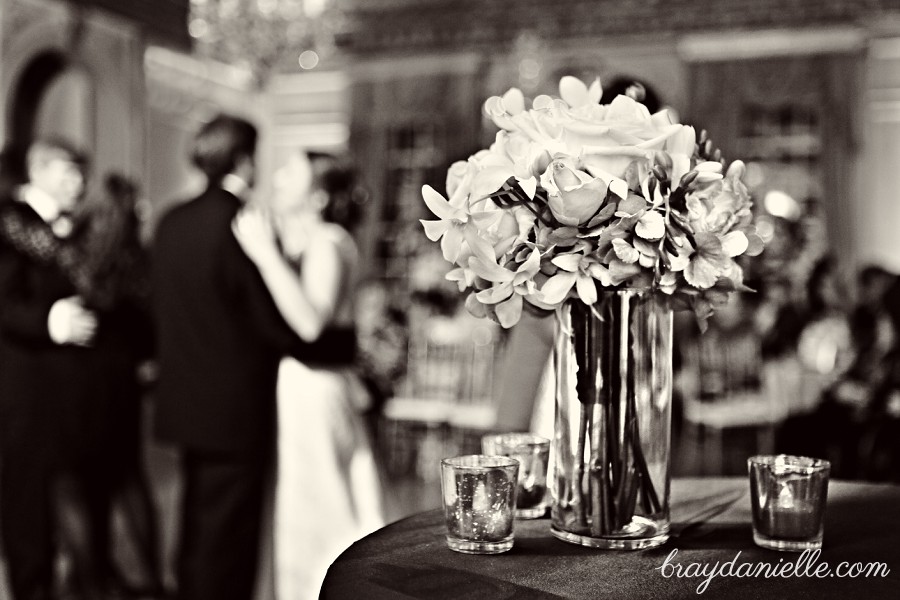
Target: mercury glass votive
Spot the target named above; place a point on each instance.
(479, 494)
(787, 496)
(533, 453)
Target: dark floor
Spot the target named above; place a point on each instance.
(411, 457)
(405, 494)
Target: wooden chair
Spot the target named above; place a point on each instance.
(725, 386)
(446, 400)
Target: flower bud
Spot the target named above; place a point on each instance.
(663, 159)
(736, 170)
(688, 179)
(659, 173)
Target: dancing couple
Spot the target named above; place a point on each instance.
(253, 303)
(74, 327)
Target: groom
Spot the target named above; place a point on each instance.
(220, 340)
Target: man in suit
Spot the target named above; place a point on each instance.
(220, 339)
(44, 362)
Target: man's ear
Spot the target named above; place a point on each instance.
(245, 168)
(319, 199)
(32, 172)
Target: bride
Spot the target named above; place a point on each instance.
(328, 493)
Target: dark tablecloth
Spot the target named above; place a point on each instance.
(710, 524)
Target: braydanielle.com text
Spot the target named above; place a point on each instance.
(806, 565)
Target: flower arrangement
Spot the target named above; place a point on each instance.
(573, 197)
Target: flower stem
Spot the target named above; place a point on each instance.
(611, 474)
(583, 425)
(601, 523)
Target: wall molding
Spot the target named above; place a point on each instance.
(386, 68)
(740, 45)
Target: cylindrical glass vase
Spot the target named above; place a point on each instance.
(611, 447)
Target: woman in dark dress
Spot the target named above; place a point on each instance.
(118, 270)
(47, 379)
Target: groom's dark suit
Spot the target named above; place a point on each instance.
(220, 339)
(220, 335)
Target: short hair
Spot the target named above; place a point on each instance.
(44, 151)
(220, 143)
(337, 178)
(13, 172)
(872, 273)
(635, 89)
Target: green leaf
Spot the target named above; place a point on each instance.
(606, 213)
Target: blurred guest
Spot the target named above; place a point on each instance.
(880, 443)
(54, 410)
(825, 351)
(779, 320)
(870, 321)
(825, 346)
(848, 405)
(634, 89)
(119, 293)
(220, 338)
(12, 169)
(871, 337)
(724, 361)
(382, 345)
(328, 493)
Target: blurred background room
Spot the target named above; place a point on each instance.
(806, 92)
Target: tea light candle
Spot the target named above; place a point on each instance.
(533, 453)
(479, 500)
(797, 522)
(788, 497)
(483, 525)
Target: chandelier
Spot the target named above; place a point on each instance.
(265, 36)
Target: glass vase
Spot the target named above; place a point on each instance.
(611, 447)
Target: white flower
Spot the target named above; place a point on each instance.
(509, 286)
(573, 197)
(449, 229)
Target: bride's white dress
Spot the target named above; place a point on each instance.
(328, 493)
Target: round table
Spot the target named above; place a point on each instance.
(710, 525)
